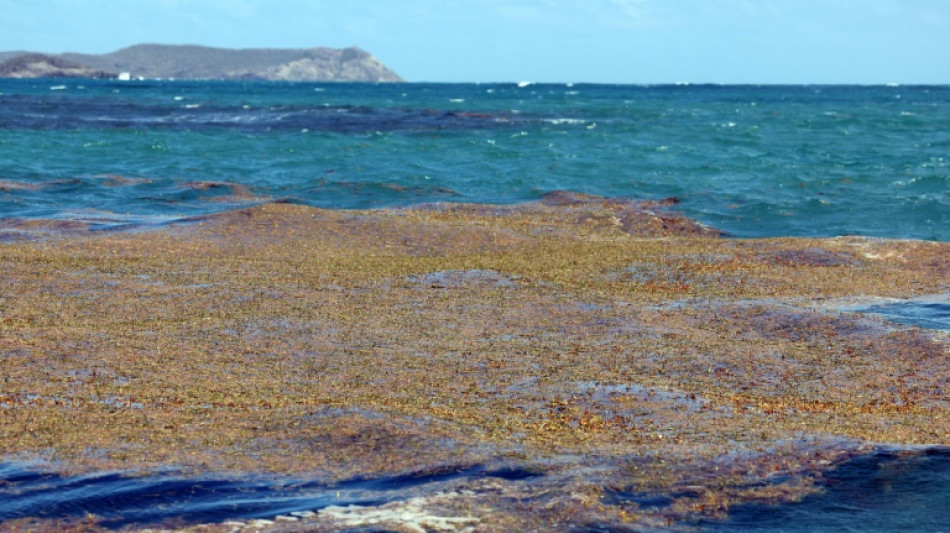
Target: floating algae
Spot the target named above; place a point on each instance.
(652, 373)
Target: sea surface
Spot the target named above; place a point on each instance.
(750, 160)
(754, 161)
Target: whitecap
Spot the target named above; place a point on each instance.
(559, 121)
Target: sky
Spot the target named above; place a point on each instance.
(599, 41)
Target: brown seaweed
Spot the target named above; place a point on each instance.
(625, 352)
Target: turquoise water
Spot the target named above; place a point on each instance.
(751, 160)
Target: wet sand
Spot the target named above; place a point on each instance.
(647, 371)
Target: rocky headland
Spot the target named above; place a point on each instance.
(44, 66)
(202, 62)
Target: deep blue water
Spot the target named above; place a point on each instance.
(751, 160)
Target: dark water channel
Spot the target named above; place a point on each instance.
(882, 492)
(119, 499)
(886, 491)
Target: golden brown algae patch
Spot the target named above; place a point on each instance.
(626, 354)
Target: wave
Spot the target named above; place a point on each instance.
(40, 113)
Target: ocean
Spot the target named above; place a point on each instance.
(753, 161)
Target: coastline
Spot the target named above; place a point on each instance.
(611, 346)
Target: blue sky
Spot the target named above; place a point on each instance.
(605, 41)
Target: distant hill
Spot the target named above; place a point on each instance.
(44, 66)
(202, 62)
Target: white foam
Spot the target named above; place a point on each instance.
(408, 515)
(558, 121)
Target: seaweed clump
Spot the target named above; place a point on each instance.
(649, 370)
